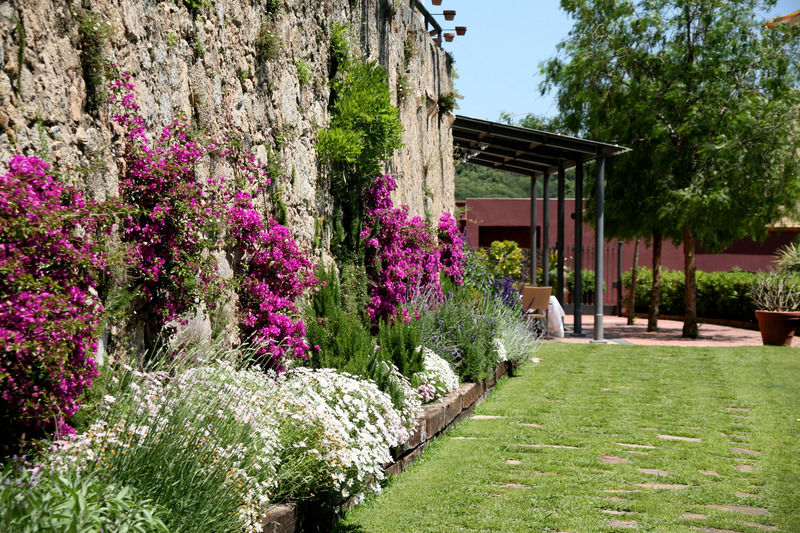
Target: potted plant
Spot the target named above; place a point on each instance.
(777, 300)
(436, 2)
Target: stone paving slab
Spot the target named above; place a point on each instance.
(677, 437)
(743, 509)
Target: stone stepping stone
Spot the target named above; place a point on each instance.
(513, 462)
(745, 468)
(714, 530)
(614, 512)
(663, 486)
(655, 472)
(694, 516)
(615, 499)
(625, 524)
(741, 417)
(743, 509)
(538, 426)
(676, 437)
(747, 495)
(763, 527)
(710, 473)
(558, 446)
(613, 460)
(637, 446)
(486, 417)
(515, 486)
(745, 451)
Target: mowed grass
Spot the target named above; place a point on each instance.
(740, 408)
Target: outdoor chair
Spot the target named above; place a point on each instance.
(536, 305)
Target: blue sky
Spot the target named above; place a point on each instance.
(497, 61)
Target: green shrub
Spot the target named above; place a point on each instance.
(720, 295)
(587, 282)
(504, 259)
(788, 258)
(94, 31)
(268, 44)
(304, 74)
(364, 130)
(55, 502)
(461, 330)
(340, 339)
(447, 102)
(398, 343)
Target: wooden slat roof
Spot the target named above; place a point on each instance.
(523, 150)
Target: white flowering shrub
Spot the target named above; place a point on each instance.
(355, 425)
(199, 444)
(500, 348)
(515, 341)
(437, 378)
(412, 400)
(214, 445)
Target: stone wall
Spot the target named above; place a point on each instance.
(204, 67)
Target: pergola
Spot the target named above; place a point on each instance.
(538, 153)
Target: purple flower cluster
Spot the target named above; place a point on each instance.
(451, 248)
(401, 255)
(172, 217)
(177, 217)
(275, 272)
(49, 308)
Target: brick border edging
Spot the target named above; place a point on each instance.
(436, 418)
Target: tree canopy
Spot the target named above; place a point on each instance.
(705, 95)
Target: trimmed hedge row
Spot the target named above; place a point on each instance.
(721, 295)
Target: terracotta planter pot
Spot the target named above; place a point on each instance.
(436, 2)
(461, 30)
(778, 327)
(449, 14)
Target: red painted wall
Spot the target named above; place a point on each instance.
(489, 219)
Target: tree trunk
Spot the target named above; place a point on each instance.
(655, 296)
(690, 291)
(632, 295)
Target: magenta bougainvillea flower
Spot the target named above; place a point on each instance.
(49, 308)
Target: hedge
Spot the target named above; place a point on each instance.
(721, 295)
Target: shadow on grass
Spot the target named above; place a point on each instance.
(350, 528)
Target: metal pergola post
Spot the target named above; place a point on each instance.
(533, 230)
(577, 296)
(560, 237)
(598, 250)
(546, 230)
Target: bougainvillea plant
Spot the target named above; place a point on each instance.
(178, 218)
(451, 248)
(401, 255)
(173, 221)
(274, 273)
(49, 308)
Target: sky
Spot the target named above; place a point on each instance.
(497, 61)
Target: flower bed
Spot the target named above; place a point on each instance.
(437, 418)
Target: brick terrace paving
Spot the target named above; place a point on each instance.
(616, 330)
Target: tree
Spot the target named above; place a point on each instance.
(706, 96)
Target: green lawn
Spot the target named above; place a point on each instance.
(500, 474)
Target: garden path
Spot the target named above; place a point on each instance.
(616, 330)
(611, 438)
